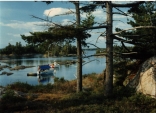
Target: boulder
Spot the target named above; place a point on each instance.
(6, 73)
(20, 67)
(3, 66)
(9, 73)
(145, 79)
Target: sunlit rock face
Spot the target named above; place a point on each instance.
(145, 79)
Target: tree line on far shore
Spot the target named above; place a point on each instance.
(55, 50)
(19, 49)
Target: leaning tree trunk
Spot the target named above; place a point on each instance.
(79, 50)
(108, 86)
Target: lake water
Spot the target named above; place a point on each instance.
(67, 71)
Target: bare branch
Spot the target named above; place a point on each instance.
(129, 53)
(119, 20)
(102, 54)
(93, 45)
(96, 27)
(99, 36)
(123, 45)
(46, 20)
(122, 13)
(139, 27)
(122, 40)
(90, 61)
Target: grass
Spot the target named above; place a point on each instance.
(61, 97)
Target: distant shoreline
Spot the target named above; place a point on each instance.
(14, 56)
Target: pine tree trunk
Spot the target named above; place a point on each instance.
(108, 85)
(79, 51)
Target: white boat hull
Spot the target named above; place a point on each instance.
(46, 72)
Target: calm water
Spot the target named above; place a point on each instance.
(66, 71)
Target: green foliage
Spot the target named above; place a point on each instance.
(121, 91)
(59, 80)
(18, 49)
(19, 86)
(54, 50)
(92, 102)
(121, 65)
(53, 39)
(42, 88)
(144, 39)
(89, 21)
(9, 96)
(62, 49)
(69, 33)
(100, 51)
(58, 34)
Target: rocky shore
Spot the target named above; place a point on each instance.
(12, 68)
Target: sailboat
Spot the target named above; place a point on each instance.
(54, 65)
(44, 70)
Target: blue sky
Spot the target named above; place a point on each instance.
(15, 19)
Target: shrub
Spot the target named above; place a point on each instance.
(59, 80)
(9, 97)
(19, 86)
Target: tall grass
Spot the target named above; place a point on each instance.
(61, 97)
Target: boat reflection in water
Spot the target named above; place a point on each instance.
(45, 79)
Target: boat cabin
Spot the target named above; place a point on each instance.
(43, 67)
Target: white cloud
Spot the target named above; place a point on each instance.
(26, 34)
(119, 17)
(121, 25)
(66, 22)
(102, 38)
(13, 35)
(11, 40)
(57, 11)
(31, 26)
(98, 14)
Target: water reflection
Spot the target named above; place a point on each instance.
(46, 79)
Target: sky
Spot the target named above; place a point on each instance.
(16, 20)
